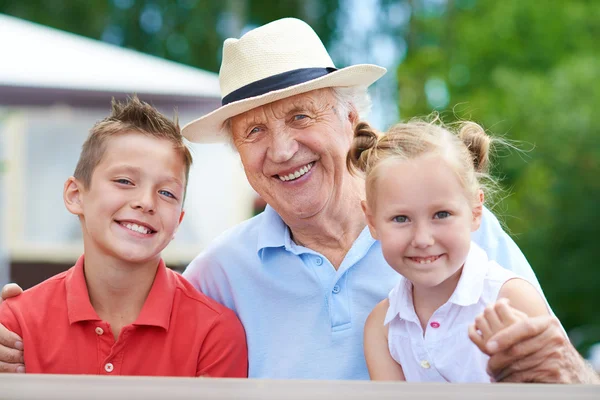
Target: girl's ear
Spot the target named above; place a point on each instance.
(478, 211)
(72, 196)
(370, 218)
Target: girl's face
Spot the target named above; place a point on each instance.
(423, 218)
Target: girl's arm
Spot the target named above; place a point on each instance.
(381, 365)
(524, 297)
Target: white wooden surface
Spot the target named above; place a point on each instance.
(66, 387)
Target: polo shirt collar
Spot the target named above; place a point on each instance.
(272, 231)
(159, 303)
(155, 312)
(470, 285)
(79, 307)
(403, 306)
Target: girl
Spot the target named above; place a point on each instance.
(424, 197)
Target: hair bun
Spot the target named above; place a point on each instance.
(478, 143)
(365, 139)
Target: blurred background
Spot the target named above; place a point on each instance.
(525, 70)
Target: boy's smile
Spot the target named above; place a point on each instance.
(137, 226)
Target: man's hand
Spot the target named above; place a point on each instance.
(11, 345)
(536, 350)
(10, 290)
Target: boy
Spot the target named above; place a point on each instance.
(119, 310)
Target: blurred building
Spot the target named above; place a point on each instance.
(53, 87)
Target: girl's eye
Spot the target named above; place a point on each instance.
(167, 193)
(123, 181)
(400, 218)
(442, 214)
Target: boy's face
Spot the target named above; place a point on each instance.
(133, 205)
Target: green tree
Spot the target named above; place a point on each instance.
(527, 70)
(186, 31)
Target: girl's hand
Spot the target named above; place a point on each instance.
(495, 317)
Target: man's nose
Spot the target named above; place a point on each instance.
(283, 146)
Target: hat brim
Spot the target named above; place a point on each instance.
(210, 127)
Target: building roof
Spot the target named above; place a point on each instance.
(42, 65)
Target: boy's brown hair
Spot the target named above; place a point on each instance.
(131, 115)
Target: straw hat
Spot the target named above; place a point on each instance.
(277, 60)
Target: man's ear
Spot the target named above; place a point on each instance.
(353, 116)
(72, 196)
(478, 211)
(369, 216)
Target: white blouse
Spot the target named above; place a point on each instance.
(445, 353)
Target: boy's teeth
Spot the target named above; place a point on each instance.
(137, 228)
(296, 174)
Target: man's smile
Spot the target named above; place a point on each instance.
(297, 173)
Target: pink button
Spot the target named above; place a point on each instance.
(435, 324)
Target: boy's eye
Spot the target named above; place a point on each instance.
(167, 193)
(123, 181)
(400, 218)
(442, 214)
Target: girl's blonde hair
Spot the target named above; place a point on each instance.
(466, 149)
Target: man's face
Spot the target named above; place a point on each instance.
(294, 153)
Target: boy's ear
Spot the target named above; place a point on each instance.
(478, 211)
(72, 195)
(179, 223)
(370, 218)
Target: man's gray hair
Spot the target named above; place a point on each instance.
(356, 97)
(348, 98)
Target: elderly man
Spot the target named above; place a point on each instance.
(304, 275)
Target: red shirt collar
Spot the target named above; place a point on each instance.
(155, 312)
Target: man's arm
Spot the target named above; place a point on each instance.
(11, 345)
(530, 349)
(224, 351)
(500, 247)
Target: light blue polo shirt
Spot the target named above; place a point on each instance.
(303, 319)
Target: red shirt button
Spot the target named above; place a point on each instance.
(435, 324)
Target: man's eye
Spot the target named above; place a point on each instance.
(299, 117)
(254, 130)
(442, 214)
(400, 218)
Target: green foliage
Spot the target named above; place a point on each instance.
(527, 70)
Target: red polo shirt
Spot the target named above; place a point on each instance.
(179, 332)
